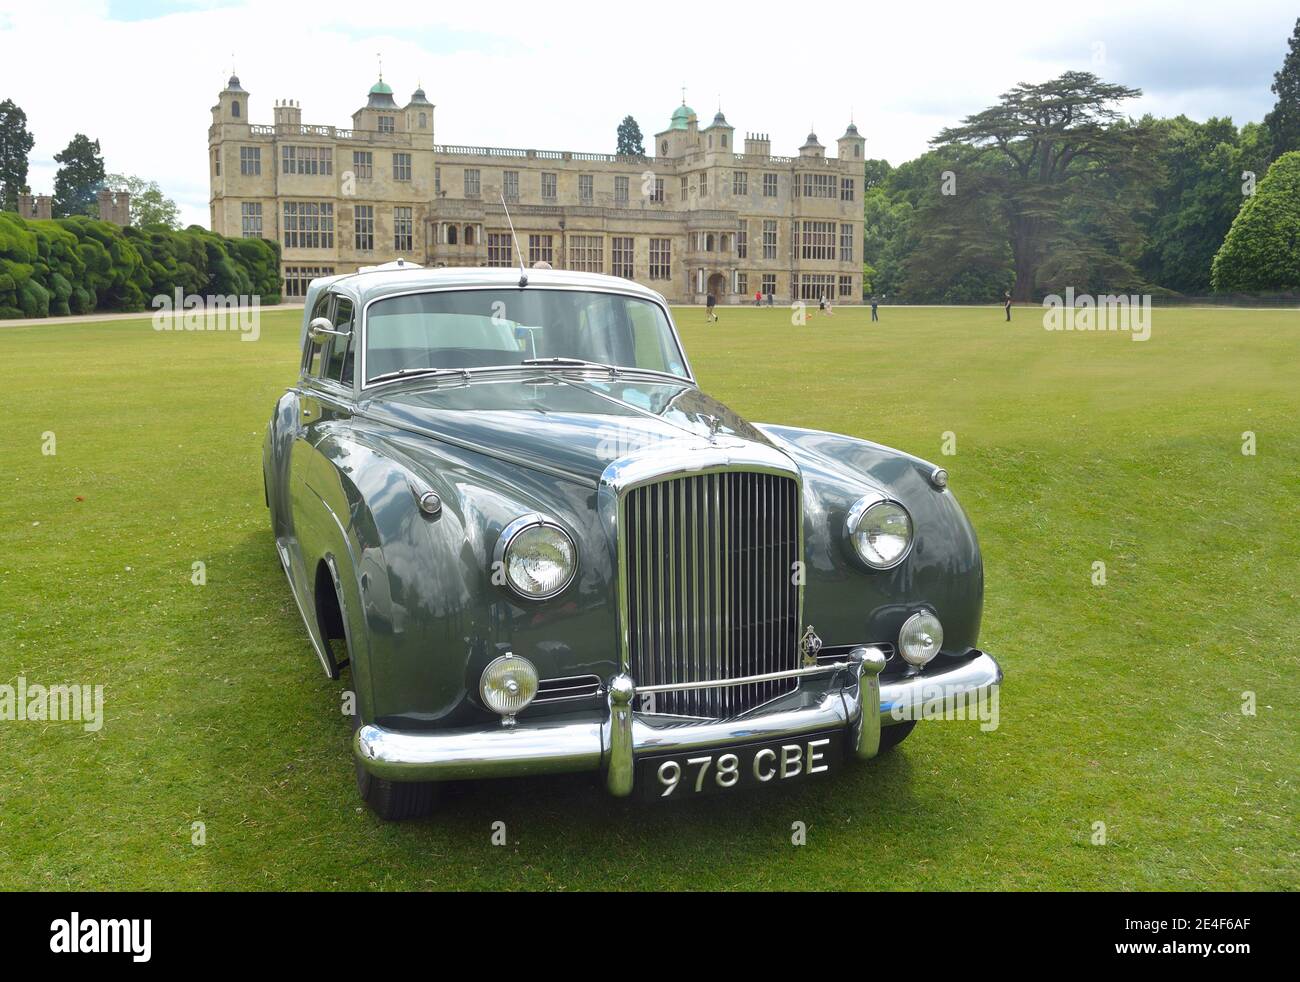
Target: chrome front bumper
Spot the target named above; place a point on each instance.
(613, 742)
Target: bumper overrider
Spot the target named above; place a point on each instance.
(847, 696)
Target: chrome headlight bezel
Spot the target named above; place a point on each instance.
(508, 536)
(859, 512)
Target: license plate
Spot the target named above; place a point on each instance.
(773, 762)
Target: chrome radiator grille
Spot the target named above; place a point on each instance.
(710, 588)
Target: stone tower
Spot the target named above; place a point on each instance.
(852, 145)
(232, 103)
(419, 115)
(719, 136)
(114, 206)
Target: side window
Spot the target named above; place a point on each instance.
(339, 366)
(311, 355)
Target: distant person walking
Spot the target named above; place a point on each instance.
(1006, 302)
(709, 303)
(769, 298)
(758, 298)
(821, 302)
(875, 316)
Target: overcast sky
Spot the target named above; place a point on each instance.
(141, 76)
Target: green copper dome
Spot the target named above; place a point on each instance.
(381, 96)
(381, 88)
(682, 115)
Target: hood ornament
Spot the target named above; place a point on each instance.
(715, 427)
(809, 646)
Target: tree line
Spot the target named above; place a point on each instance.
(1055, 187)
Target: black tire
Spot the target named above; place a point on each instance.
(892, 736)
(394, 801)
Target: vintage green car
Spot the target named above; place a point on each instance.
(502, 501)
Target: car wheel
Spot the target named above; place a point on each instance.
(394, 801)
(892, 736)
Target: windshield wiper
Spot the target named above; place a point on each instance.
(414, 372)
(569, 363)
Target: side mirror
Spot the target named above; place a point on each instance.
(322, 327)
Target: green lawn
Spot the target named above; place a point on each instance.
(1122, 703)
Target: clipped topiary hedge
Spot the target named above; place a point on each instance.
(79, 266)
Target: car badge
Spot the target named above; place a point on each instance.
(715, 427)
(809, 646)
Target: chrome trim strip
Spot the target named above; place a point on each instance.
(794, 673)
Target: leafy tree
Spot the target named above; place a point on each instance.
(1049, 177)
(1262, 249)
(630, 142)
(80, 176)
(149, 207)
(15, 144)
(1284, 121)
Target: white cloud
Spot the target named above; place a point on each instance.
(561, 77)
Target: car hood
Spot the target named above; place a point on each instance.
(572, 424)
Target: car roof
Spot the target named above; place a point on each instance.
(376, 282)
(366, 286)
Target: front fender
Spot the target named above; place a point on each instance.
(850, 604)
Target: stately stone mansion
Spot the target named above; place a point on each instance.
(699, 217)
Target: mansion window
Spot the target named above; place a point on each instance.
(498, 249)
(816, 186)
(769, 239)
(657, 193)
(363, 164)
(387, 124)
(683, 190)
(250, 219)
(297, 278)
(846, 243)
(742, 240)
(403, 230)
(308, 225)
(846, 286)
(847, 189)
(621, 250)
(620, 190)
(306, 160)
(740, 182)
(549, 187)
(704, 185)
(818, 240)
(363, 237)
(541, 249)
(471, 183)
(401, 167)
(250, 161)
(742, 284)
(586, 253)
(661, 259)
(586, 188)
(510, 186)
(769, 284)
(769, 185)
(814, 286)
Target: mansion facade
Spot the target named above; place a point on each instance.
(699, 217)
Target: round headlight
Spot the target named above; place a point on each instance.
(538, 559)
(508, 685)
(920, 639)
(880, 530)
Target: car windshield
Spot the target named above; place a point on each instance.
(467, 329)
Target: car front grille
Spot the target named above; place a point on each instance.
(711, 591)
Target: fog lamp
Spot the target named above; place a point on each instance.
(508, 685)
(920, 639)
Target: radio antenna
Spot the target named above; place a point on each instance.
(523, 270)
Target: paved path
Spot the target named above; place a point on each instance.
(137, 316)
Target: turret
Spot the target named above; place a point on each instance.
(852, 145)
(232, 103)
(719, 135)
(812, 147)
